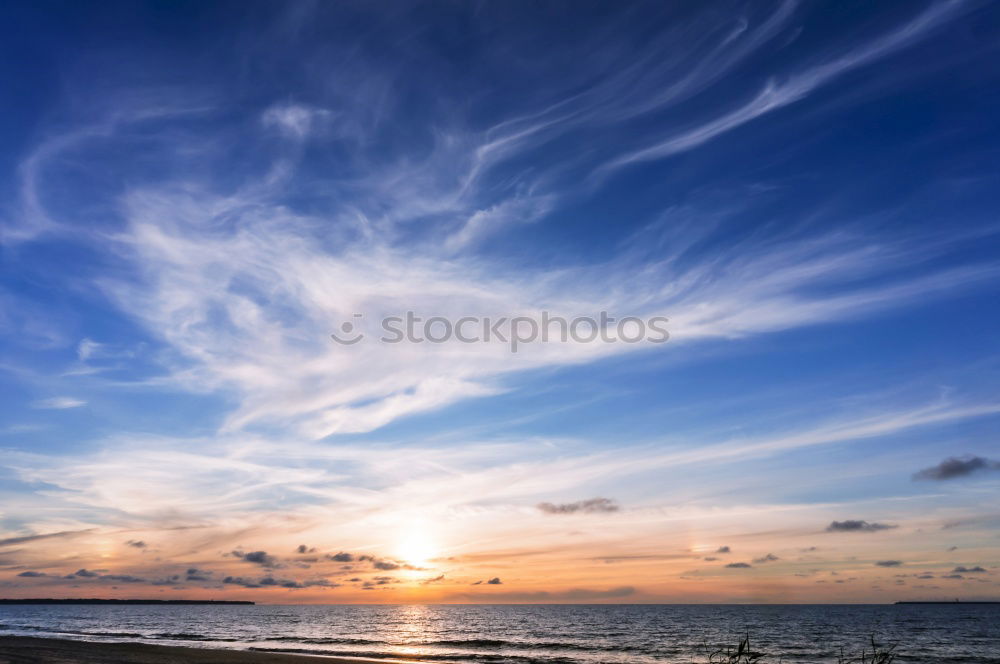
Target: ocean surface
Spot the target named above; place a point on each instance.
(535, 634)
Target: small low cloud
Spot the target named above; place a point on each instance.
(302, 548)
(590, 506)
(58, 403)
(723, 549)
(961, 569)
(739, 565)
(378, 581)
(857, 526)
(85, 574)
(377, 563)
(32, 575)
(136, 544)
(240, 581)
(769, 558)
(195, 574)
(341, 557)
(495, 581)
(954, 467)
(257, 557)
(889, 563)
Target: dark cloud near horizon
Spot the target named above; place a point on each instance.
(122, 578)
(961, 569)
(240, 581)
(857, 526)
(953, 467)
(136, 544)
(195, 574)
(769, 558)
(302, 548)
(377, 581)
(495, 581)
(739, 565)
(888, 563)
(273, 582)
(723, 549)
(377, 563)
(589, 506)
(171, 580)
(32, 574)
(101, 575)
(281, 583)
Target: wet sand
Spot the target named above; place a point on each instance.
(29, 650)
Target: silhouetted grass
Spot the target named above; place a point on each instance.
(742, 653)
(878, 655)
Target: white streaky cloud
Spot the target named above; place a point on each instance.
(194, 499)
(136, 478)
(243, 291)
(483, 223)
(251, 310)
(35, 219)
(58, 403)
(778, 94)
(668, 73)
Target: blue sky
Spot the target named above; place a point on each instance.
(196, 195)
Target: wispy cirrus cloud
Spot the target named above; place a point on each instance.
(777, 94)
(241, 286)
(58, 403)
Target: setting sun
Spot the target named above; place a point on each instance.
(417, 549)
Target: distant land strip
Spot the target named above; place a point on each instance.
(122, 601)
(954, 601)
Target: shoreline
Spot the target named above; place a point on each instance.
(43, 650)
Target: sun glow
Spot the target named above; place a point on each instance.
(417, 549)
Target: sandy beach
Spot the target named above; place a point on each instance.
(29, 650)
